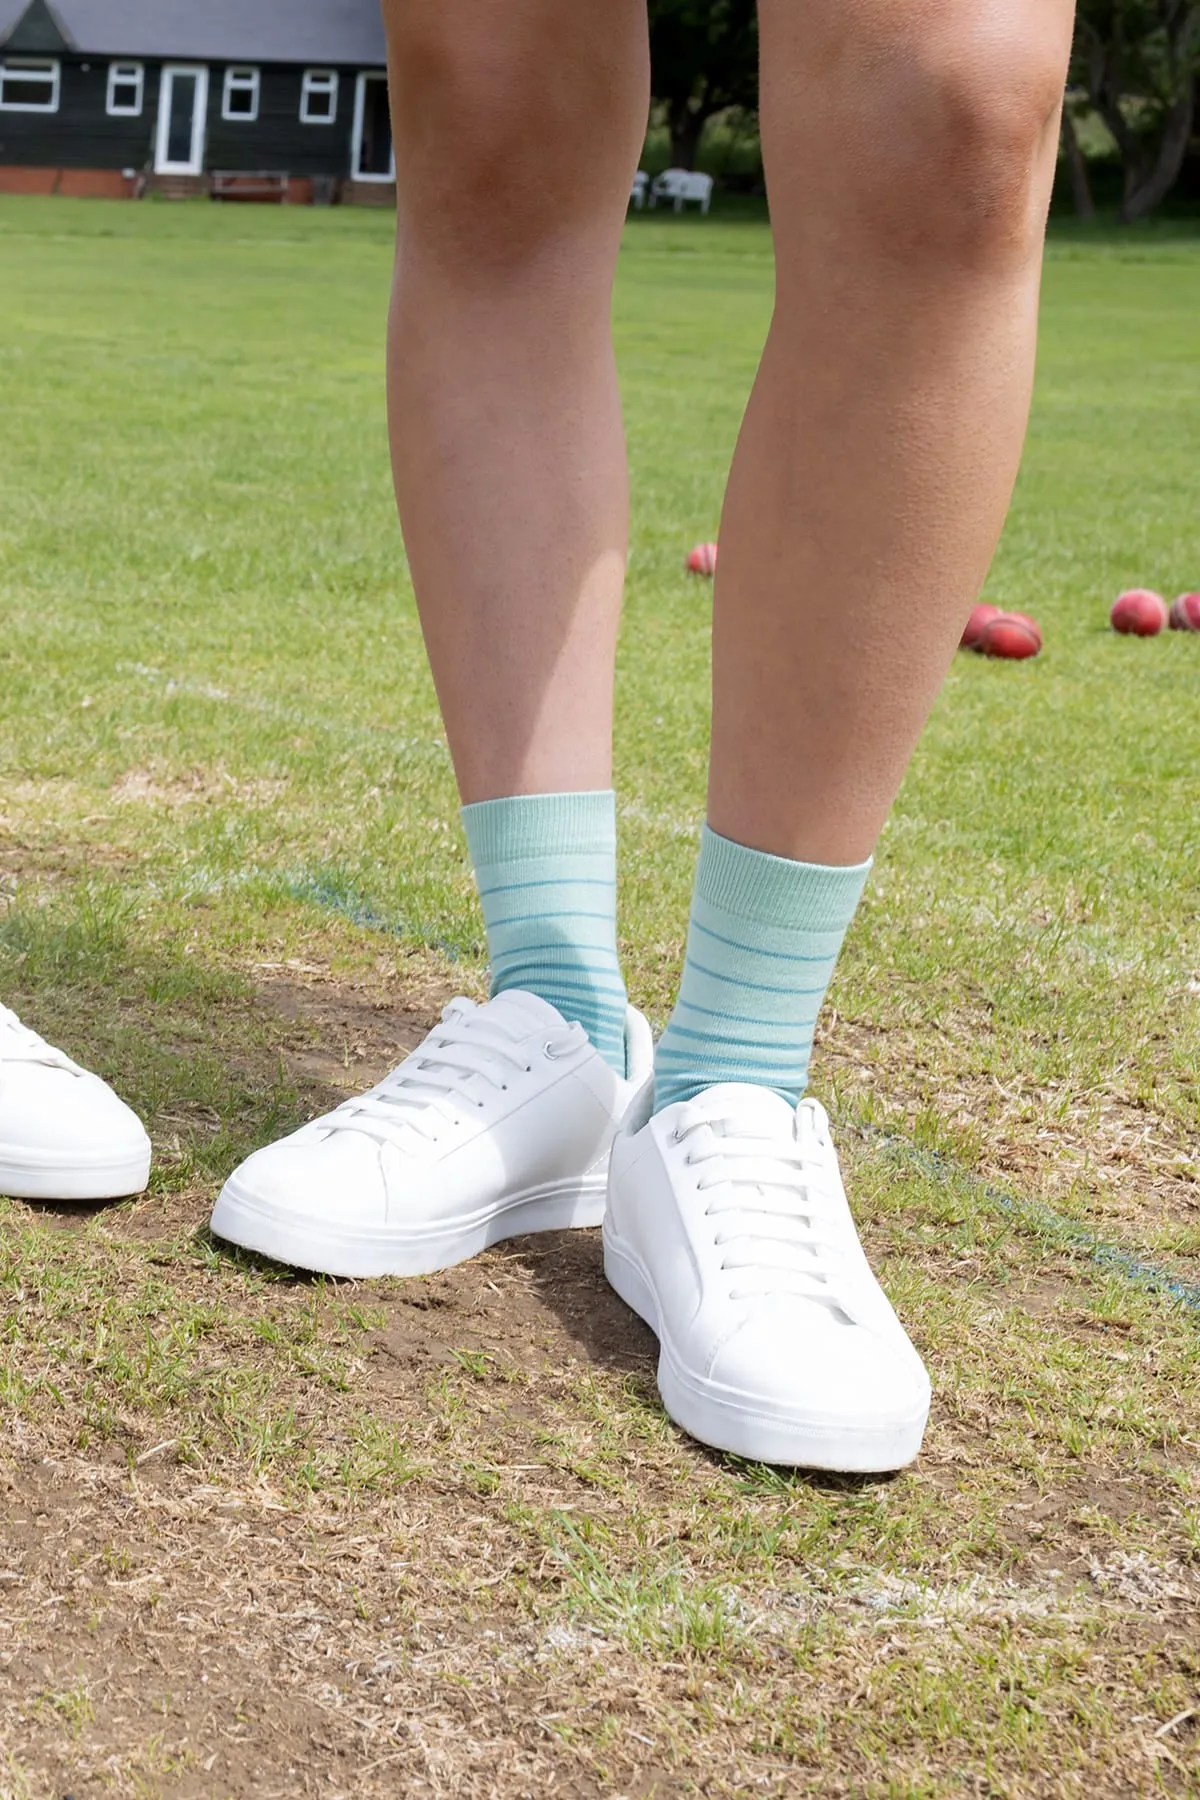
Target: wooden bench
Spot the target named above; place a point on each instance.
(240, 184)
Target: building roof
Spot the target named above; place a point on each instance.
(311, 32)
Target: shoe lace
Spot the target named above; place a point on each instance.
(19, 1044)
(776, 1214)
(466, 1058)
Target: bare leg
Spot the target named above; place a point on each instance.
(910, 148)
(517, 130)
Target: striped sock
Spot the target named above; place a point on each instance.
(546, 865)
(763, 939)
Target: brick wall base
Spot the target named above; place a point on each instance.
(368, 193)
(29, 181)
(94, 184)
(78, 184)
(111, 184)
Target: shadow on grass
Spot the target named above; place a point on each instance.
(202, 1062)
(567, 1272)
(180, 1041)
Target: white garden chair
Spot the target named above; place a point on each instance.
(680, 186)
(637, 192)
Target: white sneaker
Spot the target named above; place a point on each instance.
(499, 1123)
(729, 1231)
(64, 1135)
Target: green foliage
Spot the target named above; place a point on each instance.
(1137, 61)
(704, 60)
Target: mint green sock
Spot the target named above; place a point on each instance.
(762, 943)
(546, 865)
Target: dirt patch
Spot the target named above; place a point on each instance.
(338, 1037)
(187, 1642)
(171, 1638)
(166, 789)
(46, 863)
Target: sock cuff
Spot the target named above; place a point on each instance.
(523, 826)
(773, 890)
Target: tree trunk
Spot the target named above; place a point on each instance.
(1143, 195)
(1081, 187)
(686, 124)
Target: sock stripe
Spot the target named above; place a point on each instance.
(579, 962)
(592, 989)
(759, 987)
(560, 851)
(754, 949)
(563, 912)
(715, 1012)
(767, 928)
(797, 1039)
(514, 887)
(716, 1068)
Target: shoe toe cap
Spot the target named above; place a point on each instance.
(321, 1178)
(809, 1358)
(64, 1113)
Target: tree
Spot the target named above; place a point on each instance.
(704, 58)
(1081, 186)
(1138, 61)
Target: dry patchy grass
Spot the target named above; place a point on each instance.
(269, 1535)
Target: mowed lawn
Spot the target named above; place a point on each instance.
(262, 1535)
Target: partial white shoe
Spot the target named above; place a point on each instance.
(729, 1232)
(499, 1123)
(64, 1135)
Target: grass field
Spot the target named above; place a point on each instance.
(268, 1536)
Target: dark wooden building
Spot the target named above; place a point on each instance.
(242, 98)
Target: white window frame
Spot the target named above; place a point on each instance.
(357, 173)
(25, 66)
(241, 78)
(122, 73)
(324, 82)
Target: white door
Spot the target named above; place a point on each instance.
(182, 108)
(371, 156)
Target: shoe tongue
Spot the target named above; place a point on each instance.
(751, 1111)
(521, 1012)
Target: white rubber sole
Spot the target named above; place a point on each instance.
(760, 1431)
(318, 1245)
(22, 1177)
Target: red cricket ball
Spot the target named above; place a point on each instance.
(1031, 624)
(1139, 612)
(1011, 635)
(981, 615)
(1185, 613)
(702, 560)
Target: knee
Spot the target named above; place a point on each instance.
(507, 137)
(947, 129)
